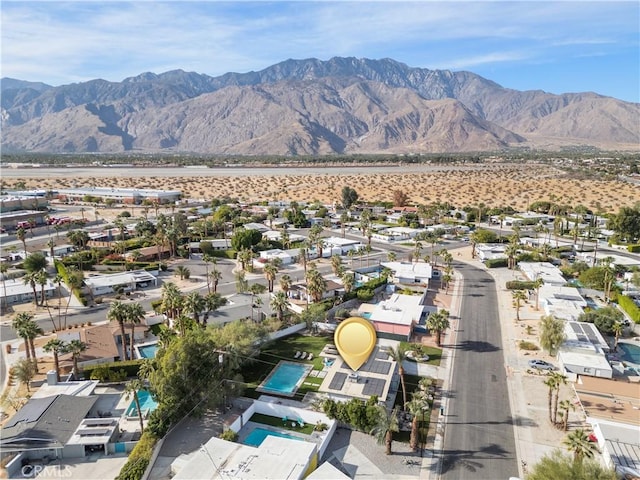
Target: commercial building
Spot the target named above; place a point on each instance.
(120, 195)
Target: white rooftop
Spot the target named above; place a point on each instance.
(340, 242)
(276, 458)
(549, 273)
(16, 286)
(82, 388)
(583, 354)
(585, 332)
(399, 309)
(410, 269)
(326, 471)
(124, 278)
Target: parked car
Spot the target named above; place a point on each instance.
(541, 364)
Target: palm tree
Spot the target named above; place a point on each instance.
(316, 284)
(21, 234)
(391, 256)
(183, 272)
(285, 283)
(19, 324)
(617, 329)
(4, 268)
(41, 278)
(386, 425)
(344, 218)
(348, 281)
(537, 284)
(75, 348)
(215, 276)
(552, 383)
(270, 272)
(560, 380)
(30, 279)
(518, 297)
(132, 387)
(565, 406)
(511, 251)
(118, 313)
(172, 300)
(75, 278)
(55, 346)
(32, 330)
(416, 407)
(279, 303)
(399, 355)
(134, 314)
(438, 322)
(194, 304)
(212, 302)
(336, 264)
(578, 443)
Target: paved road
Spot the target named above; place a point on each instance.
(479, 438)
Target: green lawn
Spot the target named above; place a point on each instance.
(435, 354)
(307, 429)
(284, 349)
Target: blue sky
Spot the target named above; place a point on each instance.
(559, 46)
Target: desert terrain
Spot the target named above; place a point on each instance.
(495, 185)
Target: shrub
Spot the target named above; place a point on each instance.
(520, 285)
(129, 367)
(364, 294)
(633, 248)
(156, 304)
(229, 435)
(139, 458)
(628, 305)
(496, 262)
(525, 345)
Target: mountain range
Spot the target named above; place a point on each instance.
(309, 107)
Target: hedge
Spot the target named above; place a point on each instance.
(131, 367)
(628, 305)
(520, 285)
(496, 262)
(139, 458)
(633, 248)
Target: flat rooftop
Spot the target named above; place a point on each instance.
(609, 399)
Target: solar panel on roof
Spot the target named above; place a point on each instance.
(374, 386)
(337, 382)
(31, 411)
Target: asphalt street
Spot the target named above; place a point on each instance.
(479, 438)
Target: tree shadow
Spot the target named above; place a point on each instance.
(476, 346)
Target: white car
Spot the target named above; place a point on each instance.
(541, 364)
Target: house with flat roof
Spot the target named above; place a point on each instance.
(123, 195)
(490, 251)
(270, 255)
(614, 400)
(14, 291)
(276, 458)
(129, 281)
(339, 246)
(561, 302)
(549, 273)
(620, 446)
(395, 317)
(584, 358)
(410, 273)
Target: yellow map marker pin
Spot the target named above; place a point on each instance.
(355, 339)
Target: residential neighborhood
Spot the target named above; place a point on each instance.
(153, 336)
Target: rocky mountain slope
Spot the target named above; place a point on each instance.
(343, 105)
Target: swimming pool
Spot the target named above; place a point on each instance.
(147, 404)
(257, 436)
(285, 378)
(366, 315)
(147, 350)
(631, 353)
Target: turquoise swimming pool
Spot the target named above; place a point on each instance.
(285, 378)
(147, 404)
(257, 436)
(147, 351)
(631, 353)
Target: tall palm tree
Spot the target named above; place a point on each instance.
(194, 304)
(172, 300)
(75, 279)
(41, 278)
(386, 425)
(270, 272)
(518, 297)
(279, 303)
(560, 380)
(75, 348)
(131, 388)
(538, 282)
(438, 322)
(399, 355)
(565, 406)
(32, 330)
(118, 313)
(316, 284)
(4, 268)
(19, 324)
(511, 250)
(578, 443)
(215, 276)
(134, 314)
(551, 382)
(416, 406)
(212, 302)
(348, 281)
(336, 264)
(617, 329)
(285, 283)
(21, 234)
(56, 347)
